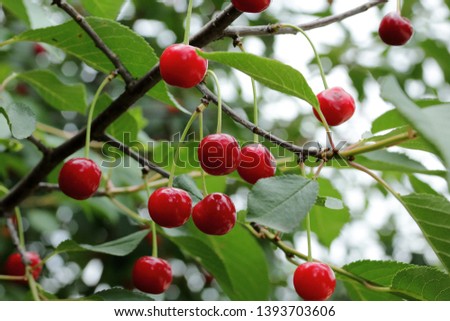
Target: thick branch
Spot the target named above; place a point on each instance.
(99, 43)
(276, 29)
(136, 156)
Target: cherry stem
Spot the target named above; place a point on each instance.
(399, 7)
(153, 225)
(108, 79)
(194, 115)
(324, 80)
(12, 278)
(319, 62)
(200, 120)
(255, 100)
(131, 214)
(308, 220)
(187, 28)
(219, 101)
(379, 180)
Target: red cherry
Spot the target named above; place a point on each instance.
(314, 281)
(181, 66)
(256, 162)
(14, 265)
(38, 49)
(169, 206)
(22, 89)
(395, 30)
(336, 105)
(251, 6)
(215, 214)
(152, 275)
(219, 154)
(79, 178)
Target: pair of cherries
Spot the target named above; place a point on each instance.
(171, 207)
(14, 265)
(220, 154)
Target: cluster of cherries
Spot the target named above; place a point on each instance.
(219, 154)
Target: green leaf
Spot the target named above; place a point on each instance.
(186, 183)
(383, 160)
(29, 11)
(21, 120)
(134, 52)
(119, 247)
(432, 214)
(423, 283)
(434, 128)
(328, 220)
(17, 8)
(54, 92)
(379, 272)
(421, 187)
(118, 294)
(236, 261)
(281, 202)
(101, 8)
(268, 72)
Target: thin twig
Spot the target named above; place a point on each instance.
(142, 160)
(38, 143)
(277, 29)
(257, 130)
(99, 43)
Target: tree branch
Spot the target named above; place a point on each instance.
(99, 43)
(136, 156)
(276, 29)
(44, 149)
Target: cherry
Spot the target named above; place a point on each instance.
(14, 265)
(395, 30)
(38, 49)
(314, 281)
(181, 66)
(219, 154)
(152, 275)
(215, 214)
(22, 89)
(169, 206)
(79, 178)
(336, 105)
(251, 6)
(256, 162)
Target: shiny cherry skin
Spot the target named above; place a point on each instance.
(256, 162)
(79, 178)
(181, 66)
(152, 275)
(215, 214)
(395, 30)
(336, 104)
(251, 6)
(219, 154)
(314, 281)
(169, 206)
(14, 265)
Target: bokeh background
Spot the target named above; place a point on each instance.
(354, 58)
